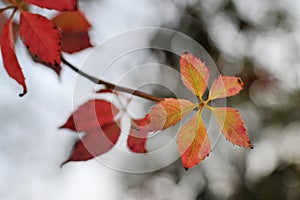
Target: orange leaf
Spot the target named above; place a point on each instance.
(225, 86)
(42, 38)
(95, 142)
(10, 60)
(60, 5)
(72, 21)
(166, 113)
(232, 126)
(93, 114)
(194, 74)
(193, 142)
(74, 27)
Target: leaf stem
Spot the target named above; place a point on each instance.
(111, 85)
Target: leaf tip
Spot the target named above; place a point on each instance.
(63, 164)
(185, 53)
(62, 126)
(240, 81)
(23, 93)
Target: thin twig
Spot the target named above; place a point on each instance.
(111, 85)
(6, 8)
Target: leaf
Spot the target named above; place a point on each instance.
(72, 21)
(166, 113)
(225, 86)
(73, 42)
(42, 38)
(96, 119)
(10, 60)
(101, 91)
(193, 142)
(232, 126)
(74, 27)
(60, 5)
(194, 74)
(137, 138)
(3, 21)
(91, 115)
(95, 142)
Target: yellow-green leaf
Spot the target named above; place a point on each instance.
(194, 74)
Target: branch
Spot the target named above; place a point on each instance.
(112, 86)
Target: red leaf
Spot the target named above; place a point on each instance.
(166, 113)
(232, 126)
(194, 74)
(137, 138)
(225, 86)
(10, 61)
(42, 38)
(73, 42)
(74, 27)
(193, 142)
(101, 91)
(95, 142)
(60, 5)
(91, 115)
(96, 119)
(3, 21)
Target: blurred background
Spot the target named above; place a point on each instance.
(256, 40)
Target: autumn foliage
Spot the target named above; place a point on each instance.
(99, 120)
(193, 140)
(44, 38)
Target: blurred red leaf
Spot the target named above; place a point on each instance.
(72, 21)
(92, 114)
(95, 142)
(42, 38)
(96, 119)
(74, 27)
(60, 5)
(137, 137)
(101, 91)
(10, 60)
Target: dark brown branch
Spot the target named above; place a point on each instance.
(112, 86)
